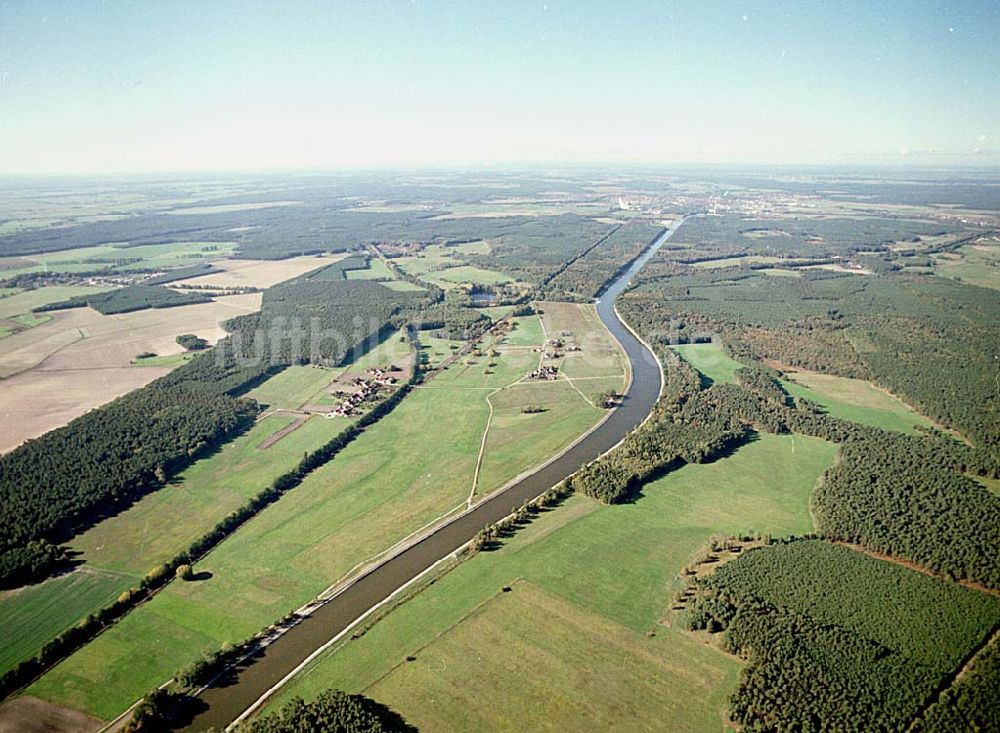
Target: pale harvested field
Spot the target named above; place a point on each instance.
(259, 273)
(82, 338)
(80, 360)
(35, 402)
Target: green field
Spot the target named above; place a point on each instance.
(848, 399)
(468, 679)
(979, 264)
(436, 349)
(466, 274)
(402, 286)
(30, 320)
(162, 523)
(394, 349)
(527, 332)
(710, 360)
(293, 386)
(377, 270)
(586, 352)
(436, 264)
(855, 400)
(464, 248)
(43, 611)
(990, 484)
(737, 261)
(780, 272)
(496, 311)
(171, 254)
(421, 264)
(23, 302)
(564, 415)
(157, 527)
(381, 488)
(589, 582)
(163, 361)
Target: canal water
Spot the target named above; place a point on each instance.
(228, 698)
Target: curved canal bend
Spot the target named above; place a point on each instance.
(228, 698)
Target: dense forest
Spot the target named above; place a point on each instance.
(529, 247)
(128, 299)
(182, 273)
(451, 321)
(732, 235)
(971, 703)
(100, 462)
(929, 340)
(320, 317)
(332, 711)
(903, 495)
(894, 497)
(586, 276)
(111, 456)
(836, 640)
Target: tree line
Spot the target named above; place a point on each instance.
(86, 629)
(108, 458)
(128, 299)
(930, 340)
(100, 463)
(904, 495)
(587, 276)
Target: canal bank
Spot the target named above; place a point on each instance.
(241, 688)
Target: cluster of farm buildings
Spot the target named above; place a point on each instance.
(547, 372)
(364, 389)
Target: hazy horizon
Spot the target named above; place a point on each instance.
(116, 87)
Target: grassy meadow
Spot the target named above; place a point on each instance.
(376, 270)
(126, 546)
(976, 264)
(451, 276)
(292, 387)
(42, 611)
(381, 488)
(169, 254)
(120, 550)
(402, 285)
(437, 264)
(21, 303)
(855, 400)
(848, 399)
(589, 582)
(154, 529)
(436, 349)
(710, 360)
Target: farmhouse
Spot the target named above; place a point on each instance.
(546, 373)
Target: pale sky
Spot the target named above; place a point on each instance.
(154, 86)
